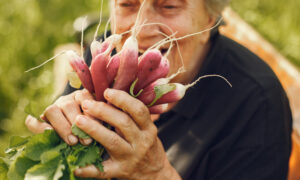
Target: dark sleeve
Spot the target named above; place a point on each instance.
(255, 143)
(253, 155)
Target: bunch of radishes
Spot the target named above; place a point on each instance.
(143, 77)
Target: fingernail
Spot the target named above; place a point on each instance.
(80, 120)
(86, 104)
(87, 141)
(48, 128)
(72, 139)
(109, 92)
(43, 117)
(78, 171)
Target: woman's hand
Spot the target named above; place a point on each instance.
(135, 150)
(60, 116)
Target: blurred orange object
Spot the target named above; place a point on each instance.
(294, 171)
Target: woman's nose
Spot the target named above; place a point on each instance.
(147, 29)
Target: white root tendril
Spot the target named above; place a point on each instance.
(182, 68)
(179, 71)
(45, 62)
(200, 32)
(206, 76)
(100, 20)
(134, 30)
(82, 33)
(106, 28)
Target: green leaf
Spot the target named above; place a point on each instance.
(19, 167)
(49, 156)
(50, 167)
(16, 144)
(131, 91)
(99, 165)
(31, 109)
(78, 132)
(161, 90)
(89, 156)
(41, 143)
(74, 80)
(46, 171)
(3, 169)
(59, 171)
(16, 141)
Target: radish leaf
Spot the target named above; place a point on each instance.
(132, 89)
(161, 90)
(78, 132)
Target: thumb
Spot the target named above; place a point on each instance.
(110, 170)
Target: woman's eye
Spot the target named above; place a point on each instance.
(170, 7)
(126, 5)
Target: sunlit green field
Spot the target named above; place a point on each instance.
(31, 29)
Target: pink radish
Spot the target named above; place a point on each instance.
(108, 45)
(82, 70)
(147, 64)
(158, 109)
(128, 65)
(112, 68)
(160, 93)
(99, 72)
(160, 72)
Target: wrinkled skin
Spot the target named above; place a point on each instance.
(135, 149)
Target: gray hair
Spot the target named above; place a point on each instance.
(215, 7)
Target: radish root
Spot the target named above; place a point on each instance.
(100, 20)
(45, 62)
(206, 76)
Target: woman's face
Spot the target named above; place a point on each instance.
(181, 16)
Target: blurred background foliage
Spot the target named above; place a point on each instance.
(31, 29)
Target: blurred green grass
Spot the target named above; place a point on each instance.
(276, 20)
(31, 29)
(29, 32)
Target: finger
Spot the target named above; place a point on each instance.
(36, 126)
(70, 109)
(82, 95)
(110, 170)
(86, 141)
(112, 142)
(61, 125)
(135, 108)
(79, 97)
(158, 109)
(112, 116)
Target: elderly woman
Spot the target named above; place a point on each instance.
(215, 132)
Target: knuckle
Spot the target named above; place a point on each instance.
(99, 106)
(67, 104)
(154, 130)
(28, 121)
(140, 110)
(51, 109)
(59, 100)
(151, 136)
(126, 122)
(78, 94)
(85, 93)
(114, 141)
(91, 130)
